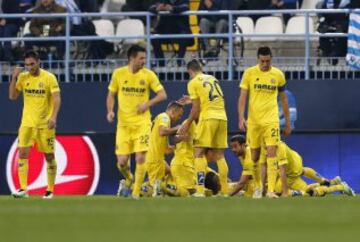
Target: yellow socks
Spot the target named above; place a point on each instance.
(139, 178)
(312, 174)
(125, 171)
(51, 174)
(257, 175)
(200, 166)
(23, 168)
(223, 170)
(271, 173)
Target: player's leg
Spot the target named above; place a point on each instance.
(25, 143)
(310, 173)
(271, 138)
(140, 138)
(220, 144)
(202, 140)
(123, 150)
(253, 137)
(184, 179)
(46, 143)
(140, 171)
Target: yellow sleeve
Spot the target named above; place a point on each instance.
(54, 85)
(192, 90)
(281, 155)
(155, 84)
(113, 86)
(164, 121)
(19, 83)
(282, 80)
(244, 84)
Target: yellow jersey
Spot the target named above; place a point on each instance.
(247, 163)
(184, 150)
(291, 159)
(158, 144)
(263, 89)
(133, 89)
(208, 90)
(37, 93)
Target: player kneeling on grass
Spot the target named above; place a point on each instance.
(159, 142)
(243, 152)
(291, 169)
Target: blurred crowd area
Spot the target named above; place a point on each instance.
(170, 23)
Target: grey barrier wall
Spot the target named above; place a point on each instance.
(322, 106)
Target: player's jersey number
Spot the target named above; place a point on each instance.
(214, 91)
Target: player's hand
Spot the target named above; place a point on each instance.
(16, 72)
(168, 7)
(242, 124)
(184, 100)
(183, 129)
(52, 123)
(3, 22)
(141, 108)
(110, 116)
(160, 7)
(287, 129)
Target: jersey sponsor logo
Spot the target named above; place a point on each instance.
(133, 90)
(35, 91)
(78, 167)
(265, 87)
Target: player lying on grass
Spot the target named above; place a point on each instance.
(291, 166)
(158, 143)
(291, 163)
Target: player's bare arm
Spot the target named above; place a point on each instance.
(285, 105)
(164, 131)
(13, 92)
(57, 103)
(110, 103)
(241, 109)
(159, 97)
(194, 115)
(240, 184)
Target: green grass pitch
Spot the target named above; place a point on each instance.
(108, 218)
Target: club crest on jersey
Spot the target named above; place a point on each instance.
(273, 81)
(41, 85)
(142, 82)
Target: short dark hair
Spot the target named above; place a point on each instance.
(31, 54)
(194, 65)
(175, 105)
(212, 182)
(134, 50)
(264, 50)
(238, 138)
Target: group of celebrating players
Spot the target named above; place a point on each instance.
(270, 167)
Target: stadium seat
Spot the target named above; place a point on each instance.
(296, 25)
(104, 27)
(309, 4)
(268, 25)
(246, 24)
(130, 27)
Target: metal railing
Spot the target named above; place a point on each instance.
(231, 69)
